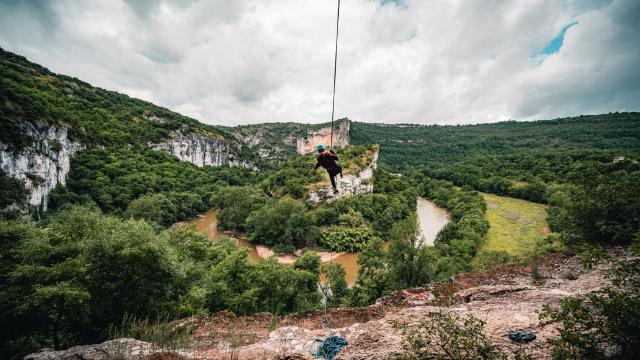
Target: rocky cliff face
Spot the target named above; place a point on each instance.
(42, 165)
(200, 150)
(196, 149)
(323, 136)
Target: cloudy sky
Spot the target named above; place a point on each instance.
(420, 61)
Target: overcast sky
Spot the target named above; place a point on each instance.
(445, 62)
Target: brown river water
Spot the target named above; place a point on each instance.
(431, 218)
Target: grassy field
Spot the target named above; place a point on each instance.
(516, 225)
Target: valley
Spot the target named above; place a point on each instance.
(120, 220)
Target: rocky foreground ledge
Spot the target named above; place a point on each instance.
(504, 297)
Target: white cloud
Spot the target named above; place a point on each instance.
(236, 62)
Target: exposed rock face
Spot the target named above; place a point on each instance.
(196, 149)
(360, 183)
(349, 184)
(201, 150)
(323, 136)
(42, 165)
(113, 349)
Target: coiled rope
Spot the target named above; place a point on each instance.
(329, 348)
(335, 68)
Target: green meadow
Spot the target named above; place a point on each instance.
(516, 225)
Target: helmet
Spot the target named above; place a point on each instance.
(320, 147)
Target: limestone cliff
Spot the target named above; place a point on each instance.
(201, 150)
(196, 149)
(323, 136)
(42, 165)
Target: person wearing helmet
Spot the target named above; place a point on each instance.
(328, 160)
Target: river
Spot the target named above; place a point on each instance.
(431, 219)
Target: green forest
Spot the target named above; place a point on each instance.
(516, 159)
(106, 250)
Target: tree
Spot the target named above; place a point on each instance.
(373, 277)
(285, 222)
(604, 210)
(235, 204)
(410, 263)
(309, 261)
(335, 275)
(156, 208)
(70, 281)
(12, 191)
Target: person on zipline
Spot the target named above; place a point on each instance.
(328, 160)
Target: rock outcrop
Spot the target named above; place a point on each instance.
(349, 184)
(360, 183)
(323, 136)
(197, 149)
(113, 349)
(200, 150)
(42, 165)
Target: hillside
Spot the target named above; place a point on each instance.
(48, 118)
(32, 94)
(437, 144)
(516, 159)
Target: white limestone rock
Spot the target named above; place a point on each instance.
(42, 165)
(323, 136)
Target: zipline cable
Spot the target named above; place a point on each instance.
(335, 68)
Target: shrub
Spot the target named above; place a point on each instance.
(537, 278)
(351, 218)
(489, 259)
(342, 238)
(284, 249)
(285, 222)
(335, 275)
(235, 204)
(604, 324)
(447, 335)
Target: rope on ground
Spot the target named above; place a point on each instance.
(329, 347)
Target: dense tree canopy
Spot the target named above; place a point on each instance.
(517, 159)
(71, 278)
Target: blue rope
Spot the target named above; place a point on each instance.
(329, 348)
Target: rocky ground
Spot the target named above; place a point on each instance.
(504, 297)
